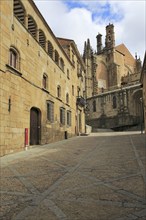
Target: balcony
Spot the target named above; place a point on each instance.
(81, 101)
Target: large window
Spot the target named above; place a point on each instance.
(62, 116)
(50, 111)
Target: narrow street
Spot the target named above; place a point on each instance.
(97, 177)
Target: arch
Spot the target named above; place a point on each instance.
(35, 126)
(50, 49)
(19, 11)
(32, 26)
(42, 39)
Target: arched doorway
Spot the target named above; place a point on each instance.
(35, 126)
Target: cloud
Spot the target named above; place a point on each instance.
(79, 20)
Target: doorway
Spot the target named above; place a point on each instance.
(35, 126)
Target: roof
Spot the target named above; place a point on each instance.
(64, 42)
(129, 59)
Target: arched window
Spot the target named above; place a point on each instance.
(14, 58)
(56, 57)
(58, 91)
(67, 98)
(19, 10)
(42, 39)
(114, 102)
(94, 106)
(61, 64)
(50, 49)
(32, 27)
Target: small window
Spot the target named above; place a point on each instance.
(78, 91)
(14, 58)
(94, 106)
(68, 76)
(50, 111)
(67, 98)
(114, 102)
(72, 90)
(62, 116)
(58, 91)
(61, 64)
(45, 81)
(69, 118)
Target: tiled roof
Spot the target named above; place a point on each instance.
(129, 59)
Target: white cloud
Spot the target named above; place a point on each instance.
(77, 23)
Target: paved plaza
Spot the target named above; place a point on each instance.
(97, 177)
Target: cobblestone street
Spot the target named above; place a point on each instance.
(96, 177)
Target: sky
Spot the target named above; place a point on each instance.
(82, 19)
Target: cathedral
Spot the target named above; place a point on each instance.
(113, 89)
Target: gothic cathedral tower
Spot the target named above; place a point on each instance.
(110, 57)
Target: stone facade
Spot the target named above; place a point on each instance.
(113, 88)
(42, 83)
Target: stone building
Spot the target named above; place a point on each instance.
(143, 81)
(41, 80)
(113, 88)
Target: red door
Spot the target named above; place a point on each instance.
(34, 126)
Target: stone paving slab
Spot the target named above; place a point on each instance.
(96, 177)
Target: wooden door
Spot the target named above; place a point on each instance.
(34, 126)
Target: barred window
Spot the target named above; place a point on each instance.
(62, 116)
(69, 118)
(50, 111)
